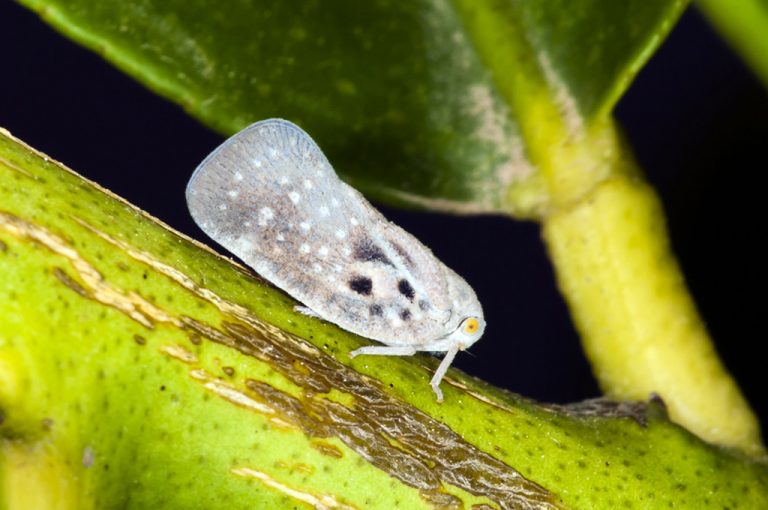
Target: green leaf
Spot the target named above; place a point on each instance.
(744, 24)
(431, 103)
(140, 370)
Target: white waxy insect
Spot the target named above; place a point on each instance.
(269, 195)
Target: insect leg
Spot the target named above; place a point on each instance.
(442, 369)
(305, 310)
(384, 350)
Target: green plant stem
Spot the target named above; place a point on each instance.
(639, 326)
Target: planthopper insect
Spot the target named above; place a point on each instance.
(269, 195)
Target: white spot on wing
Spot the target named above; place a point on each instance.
(354, 221)
(232, 194)
(239, 176)
(244, 245)
(222, 207)
(340, 234)
(308, 184)
(304, 248)
(295, 197)
(323, 251)
(265, 215)
(324, 210)
(305, 226)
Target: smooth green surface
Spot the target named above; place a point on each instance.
(744, 25)
(99, 360)
(396, 93)
(598, 46)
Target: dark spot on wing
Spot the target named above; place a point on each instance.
(367, 251)
(423, 305)
(405, 289)
(402, 253)
(405, 314)
(376, 311)
(361, 284)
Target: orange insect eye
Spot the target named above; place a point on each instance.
(471, 326)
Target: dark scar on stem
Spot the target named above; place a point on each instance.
(361, 285)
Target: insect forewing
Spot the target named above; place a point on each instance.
(269, 195)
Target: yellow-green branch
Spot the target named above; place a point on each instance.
(638, 323)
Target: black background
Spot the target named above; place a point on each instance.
(695, 116)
